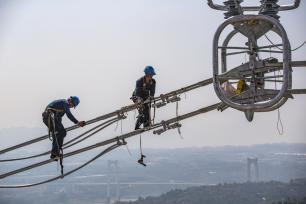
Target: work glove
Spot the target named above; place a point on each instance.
(81, 123)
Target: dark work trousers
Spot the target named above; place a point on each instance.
(60, 133)
(143, 117)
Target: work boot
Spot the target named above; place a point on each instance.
(55, 157)
(138, 124)
(137, 127)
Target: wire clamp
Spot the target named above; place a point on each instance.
(166, 100)
(167, 126)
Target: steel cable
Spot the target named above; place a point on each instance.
(124, 109)
(67, 173)
(115, 139)
(104, 125)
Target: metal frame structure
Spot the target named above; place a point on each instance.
(241, 25)
(219, 7)
(253, 27)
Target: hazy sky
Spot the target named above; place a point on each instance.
(97, 49)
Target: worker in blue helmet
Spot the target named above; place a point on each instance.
(52, 118)
(145, 90)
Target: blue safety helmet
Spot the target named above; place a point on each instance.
(149, 70)
(75, 100)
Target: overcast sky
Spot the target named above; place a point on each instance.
(97, 49)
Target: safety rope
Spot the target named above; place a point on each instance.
(128, 150)
(67, 173)
(140, 144)
(121, 131)
(61, 160)
(279, 123)
(177, 114)
(65, 146)
(116, 127)
(295, 49)
(142, 156)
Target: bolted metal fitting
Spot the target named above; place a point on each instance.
(269, 8)
(233, 8)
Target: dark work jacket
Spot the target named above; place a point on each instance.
(143, 89)
(61, 107)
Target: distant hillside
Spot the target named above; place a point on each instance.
(167, 169)
(236, 193)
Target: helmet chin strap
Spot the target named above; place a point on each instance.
(71, 105)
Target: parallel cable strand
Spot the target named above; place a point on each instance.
(114, 113)
(104, 125)
(67, 173)
(100, 126)
(88, 136)
(115, 139)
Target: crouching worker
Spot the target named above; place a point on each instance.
(230, 91)
(145, 90)
(52, 118)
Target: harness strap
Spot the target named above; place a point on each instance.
(49, 109)
(51, 120)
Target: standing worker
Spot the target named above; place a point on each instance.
(52, 117)
(144, 91)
